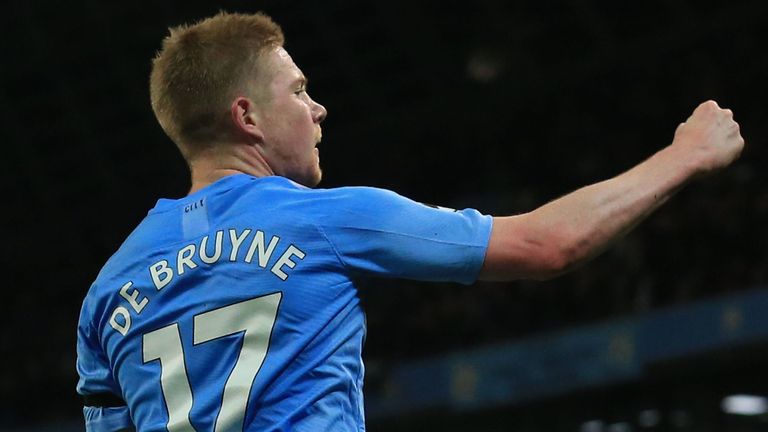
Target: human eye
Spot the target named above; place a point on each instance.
(301, 87)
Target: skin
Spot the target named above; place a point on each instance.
(567, 232)
(276, 134)
(279, 136)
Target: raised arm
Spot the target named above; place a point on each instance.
(567, 232)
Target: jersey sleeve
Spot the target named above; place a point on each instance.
(378, 232)
(96, 377)
(111, 419)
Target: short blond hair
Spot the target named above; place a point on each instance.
(199, 70)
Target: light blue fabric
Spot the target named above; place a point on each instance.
(106, 419)
(263, 244)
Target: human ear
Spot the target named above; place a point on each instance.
(246, 120)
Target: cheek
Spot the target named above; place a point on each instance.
(292, 123)
(294, 133)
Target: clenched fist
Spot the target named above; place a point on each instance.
(710, 138)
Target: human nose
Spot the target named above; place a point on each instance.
(319, 112)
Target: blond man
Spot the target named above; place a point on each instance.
(236, 307)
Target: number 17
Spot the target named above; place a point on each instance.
(254, 318)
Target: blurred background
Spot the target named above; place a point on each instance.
(501, 106)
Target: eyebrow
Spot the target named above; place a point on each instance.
(301, 80)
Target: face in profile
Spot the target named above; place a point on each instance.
(290, 121)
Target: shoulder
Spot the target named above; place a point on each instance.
(284, 185)
(281, 194)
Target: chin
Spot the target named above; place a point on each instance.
(311, 180)
(317, 178)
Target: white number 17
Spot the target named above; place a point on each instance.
(254, 318)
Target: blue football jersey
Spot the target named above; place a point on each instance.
(236, 308)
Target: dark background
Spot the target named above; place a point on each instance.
(500, 106)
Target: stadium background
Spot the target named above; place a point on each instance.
(496, 105)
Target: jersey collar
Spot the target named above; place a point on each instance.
(221, 185)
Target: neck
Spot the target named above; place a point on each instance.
(214, 164)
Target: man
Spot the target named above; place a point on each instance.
(235, 308)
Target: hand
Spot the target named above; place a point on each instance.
(710, 138)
